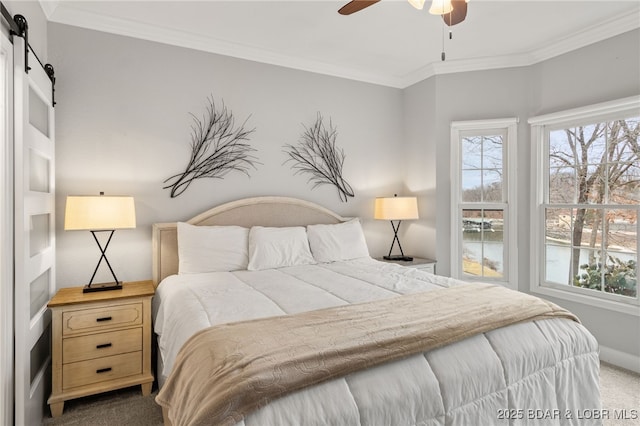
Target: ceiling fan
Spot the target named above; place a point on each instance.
(452, 11)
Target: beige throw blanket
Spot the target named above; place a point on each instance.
(225, 371)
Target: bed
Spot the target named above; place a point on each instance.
(221, 300)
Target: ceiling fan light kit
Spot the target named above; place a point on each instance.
(418, 4)
(441, 7)
(452, 11)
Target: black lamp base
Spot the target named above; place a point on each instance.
(398, 257)
(90, 288)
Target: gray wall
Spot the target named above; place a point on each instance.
(421, 130)
(600, 72)
(123, 127)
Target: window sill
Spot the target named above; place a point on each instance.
(611, 305)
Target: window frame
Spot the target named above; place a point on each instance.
(459, 130)
(541, 126)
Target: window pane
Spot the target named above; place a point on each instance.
(471, 186)
(621, 243)
(558, 226)
(492, 185)
(557, 264)
(587, 228)
(471, 153)
(471, 243)
(576, 147)
(588, 273)
(560, 149)
(621, 230)
(482, 169)
(591, 140)
(621, 275)
(493, 240)
(482, 245)
(492, 148)
(624, 183)
(562, 185)
(591, 184)
(558, 230)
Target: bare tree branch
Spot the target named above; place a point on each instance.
(217, 148)
(316, 154)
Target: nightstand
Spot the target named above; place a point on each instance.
(100, 341)
(427, 265)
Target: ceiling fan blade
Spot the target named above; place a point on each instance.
(458, 13)
(355, 6)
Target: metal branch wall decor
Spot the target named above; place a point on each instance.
(217, 148)
(316, 154)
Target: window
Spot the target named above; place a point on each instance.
(483, 181)
(587, 186)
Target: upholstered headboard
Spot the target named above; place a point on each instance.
(248, 212)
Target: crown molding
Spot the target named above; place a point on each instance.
(607, 29)
(602, 31)
(465, 65)
(58, 12)
(131, 28)
(49, 7)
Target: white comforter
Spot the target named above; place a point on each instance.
(544, 372)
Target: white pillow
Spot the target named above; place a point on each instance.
(212, 248)
(342, 241)
(278, 247)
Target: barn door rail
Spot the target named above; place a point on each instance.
(19, 26)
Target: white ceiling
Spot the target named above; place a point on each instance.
(389, 43)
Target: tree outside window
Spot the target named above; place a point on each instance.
(591, 209)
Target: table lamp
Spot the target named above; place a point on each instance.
(398, 209)
(100, 214)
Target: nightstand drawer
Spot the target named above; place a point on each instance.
(101, 345)
(101, 370)
(101, 318)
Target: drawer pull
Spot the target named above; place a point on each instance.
(104, 345)
(103, 370)
(104, 319)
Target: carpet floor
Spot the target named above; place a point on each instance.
(620, 390)
(620, 393)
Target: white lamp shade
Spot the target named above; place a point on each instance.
(396, 208)
(440, 7)
(418, 4)
(99, 213)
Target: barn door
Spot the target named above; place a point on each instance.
(34, 193)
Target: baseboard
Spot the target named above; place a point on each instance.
(620, 359)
